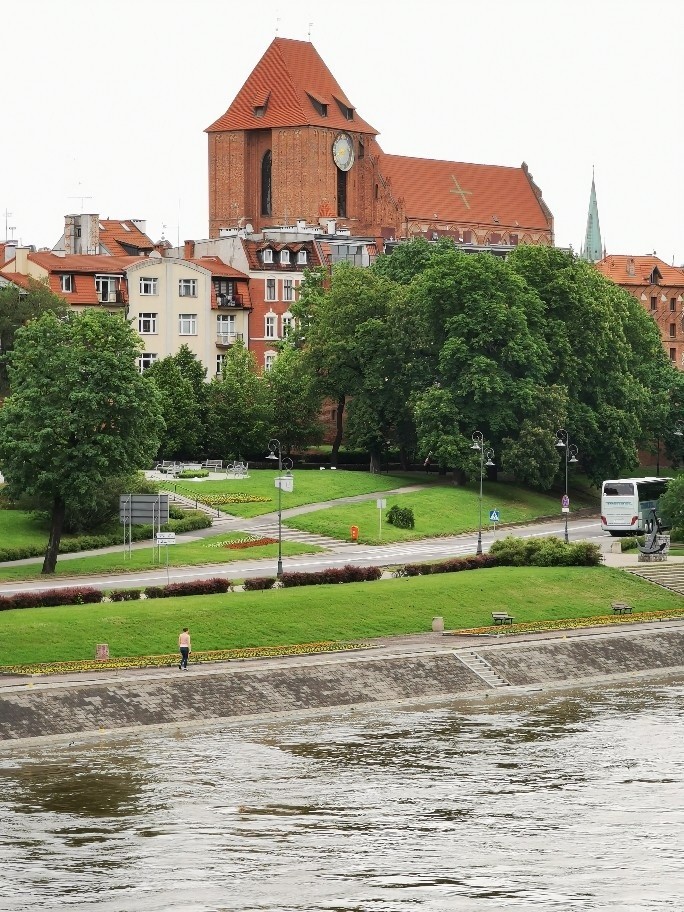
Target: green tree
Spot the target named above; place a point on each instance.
(18, 306)
(239, 408)
(79, 413)
(183, 437)
(296, 400)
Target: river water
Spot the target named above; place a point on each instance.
(570, 802)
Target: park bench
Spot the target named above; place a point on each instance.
(237, 469)
(621, 608)
(502, 617)
(168, 467)
(213, 465)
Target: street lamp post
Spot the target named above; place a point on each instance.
(273, 449)
(570, 450)
(485, 453)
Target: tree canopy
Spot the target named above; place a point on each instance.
(79, 413)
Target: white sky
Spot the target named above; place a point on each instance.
(109, 100)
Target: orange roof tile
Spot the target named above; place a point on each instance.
(637, 270)
(252, 249)
(492, 195)
(16, 278)
(217, 267)
(84, 263)
(121, 241)
(288, 73)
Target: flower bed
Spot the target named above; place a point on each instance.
(601, 620)
(217, 500)
(246, 541)
(167, 661)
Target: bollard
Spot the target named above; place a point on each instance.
(102, 652)
(438, 625)
(354, 534)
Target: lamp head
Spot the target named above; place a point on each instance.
(489, 463)
(572, 459)
(476, 446)
(560, 443)
(272, 455)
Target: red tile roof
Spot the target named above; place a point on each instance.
(113, 237)
(16, 278)
(288, 73)
(252, 249)
(637, 270)
(217, 267)
(84, 263)
(492, 195)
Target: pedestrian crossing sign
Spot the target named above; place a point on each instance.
(494, 516)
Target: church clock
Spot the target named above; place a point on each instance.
(343, 151)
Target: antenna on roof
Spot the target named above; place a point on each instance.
(277, 24)
(7, 215)
(81, 198)
(308, 35)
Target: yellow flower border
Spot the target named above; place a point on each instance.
(168, 661)
(601, 620)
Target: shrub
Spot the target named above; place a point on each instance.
(258, 583)
(125, 595)
(193, 473)
(198, 587)
(153, 592)
(49, 598)
(401, 517)
(332, 575)
(545, 552)
(414, 569)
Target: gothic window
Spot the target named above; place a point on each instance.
(342, 193)
(266, 162)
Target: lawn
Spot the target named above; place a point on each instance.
(318, 613)
(310, 486)
(190, 554)
(21, 529)
(442, 509)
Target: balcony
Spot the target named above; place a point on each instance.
(229, 300)
(225, 340)
(110, 297)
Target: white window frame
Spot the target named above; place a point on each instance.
(271, 290)
(302, 258)
(285, 257)
(220, 361)
(67, 282)
(187, 324)
(187, 288)
(110, 282)
(288, 290)
(148, 285)
(267, 255)
(270, 326)
(269, 358)
(223, 320)
(151, 320)
(287, 324)
(146, 360)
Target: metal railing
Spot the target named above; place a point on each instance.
(228, 338)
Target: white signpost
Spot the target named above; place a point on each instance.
(494, 518)
(164, 539)
(381, 504)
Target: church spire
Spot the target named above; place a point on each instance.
(592, 249)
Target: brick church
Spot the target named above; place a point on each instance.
(292, 147)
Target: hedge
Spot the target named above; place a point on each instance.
(346, 574)
(259, 583)
(545, 552)
(50, 598)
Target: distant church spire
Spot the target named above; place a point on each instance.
(592, 249)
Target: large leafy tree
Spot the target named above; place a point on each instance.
(79, 413)
(296, 400)
(18, 306)
(183, 437)
(239, 408)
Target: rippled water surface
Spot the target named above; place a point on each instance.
(566, 802)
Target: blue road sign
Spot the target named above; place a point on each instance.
(494, 516)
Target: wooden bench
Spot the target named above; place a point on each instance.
(501, 617)
(621, 608)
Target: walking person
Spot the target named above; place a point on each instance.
(184, 648)
(426, 464)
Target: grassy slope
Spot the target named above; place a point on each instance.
(311, 614)
(194, 553)
(442, 509)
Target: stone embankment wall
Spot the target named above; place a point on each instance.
(234, 691)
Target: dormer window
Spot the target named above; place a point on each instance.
(267, 255)
(347, 112)
(67, 282)
(320, 106)
(284, 257)
(260, 104)
(259, 110)
(302, 258)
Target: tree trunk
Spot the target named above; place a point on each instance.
(404, 460)
(56, 526)
(339, 428)
(375, 464)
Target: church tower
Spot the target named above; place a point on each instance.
(292, 146)
(592, 249)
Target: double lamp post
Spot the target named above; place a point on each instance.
(486, 453)
(570, 450)
(275, 452)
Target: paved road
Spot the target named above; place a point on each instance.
(360, 555)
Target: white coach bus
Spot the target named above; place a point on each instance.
(626, 504)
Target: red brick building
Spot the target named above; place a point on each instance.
(292, 146)
(659, 288)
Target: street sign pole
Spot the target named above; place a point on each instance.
(381, 503)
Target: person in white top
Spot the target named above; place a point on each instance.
(184, 647)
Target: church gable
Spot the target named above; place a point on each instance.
(290, 86)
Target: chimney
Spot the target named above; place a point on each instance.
(630, 267)
(21, 260)
(188, 250)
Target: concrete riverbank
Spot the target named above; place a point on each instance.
(404, 669)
